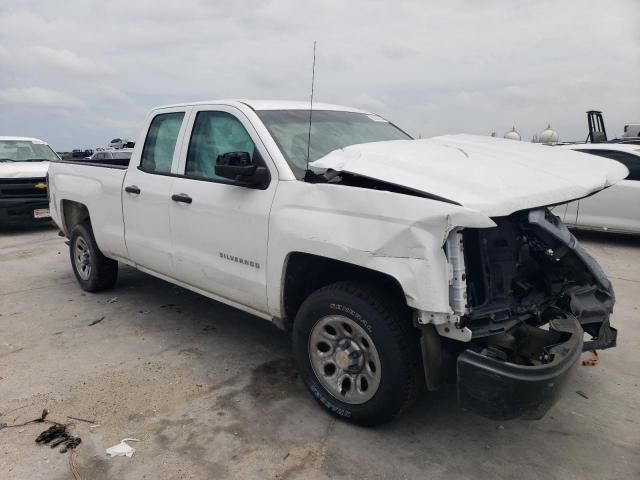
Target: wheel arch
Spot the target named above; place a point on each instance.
(305, 273)
(73, 213)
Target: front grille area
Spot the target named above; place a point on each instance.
(22, 188)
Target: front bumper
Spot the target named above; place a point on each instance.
(496, 388)
(17, 211)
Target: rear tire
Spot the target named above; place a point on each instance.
(92, 269)
(357, 352)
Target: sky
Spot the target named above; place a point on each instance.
(77, 73)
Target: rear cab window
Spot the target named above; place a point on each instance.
(160, 145)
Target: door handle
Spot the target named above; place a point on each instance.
(182, 198)
(132, 189)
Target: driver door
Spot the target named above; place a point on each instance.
(220, 228)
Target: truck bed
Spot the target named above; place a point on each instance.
(119, 163)
(98, 187)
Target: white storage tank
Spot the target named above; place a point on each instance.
(513, 135)
(548, 136)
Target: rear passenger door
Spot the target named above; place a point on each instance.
(616, 207)
(220, 237)
(147, 191)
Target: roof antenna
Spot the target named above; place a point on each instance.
(313, 81)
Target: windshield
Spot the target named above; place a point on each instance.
(330, 130)
(25, 151)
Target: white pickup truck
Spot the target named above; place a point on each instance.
(23, 191)
(393, 262)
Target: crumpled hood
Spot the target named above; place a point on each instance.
(23, 169)
(495, 176)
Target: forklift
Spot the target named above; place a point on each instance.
(598, 132)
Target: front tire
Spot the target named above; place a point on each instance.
(357, 352)
(92, 269)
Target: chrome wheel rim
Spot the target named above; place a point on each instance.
(344, 359)
(82, 258)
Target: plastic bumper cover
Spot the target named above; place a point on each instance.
(20, 211)
(501, 390)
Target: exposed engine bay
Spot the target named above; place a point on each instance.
(532, 294)
(530, 270)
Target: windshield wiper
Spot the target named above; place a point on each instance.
(6, 160)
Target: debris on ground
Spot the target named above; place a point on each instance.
(81, 419)
(40, 419)
(122, 449)
(96, 321)
(113, 300)
(56, 435)
(582, 394)
(592, 361)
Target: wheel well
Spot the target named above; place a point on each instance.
(305, 273)
(73, 213)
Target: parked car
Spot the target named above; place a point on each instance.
(78, 153)
(393, 262)
(118, 157)
(615, 209)
(118, 143)
(23, 188)
(631, 130)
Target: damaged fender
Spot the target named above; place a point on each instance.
(396, 234)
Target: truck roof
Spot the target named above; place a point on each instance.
(23, 139)
(270, 105)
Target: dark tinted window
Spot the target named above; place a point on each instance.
(157, 153)
(632, 162)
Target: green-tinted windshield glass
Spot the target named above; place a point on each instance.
(25, 151)
(330, 130)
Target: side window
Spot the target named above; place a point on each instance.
(214, 134)
(157, 153)
(632, 162)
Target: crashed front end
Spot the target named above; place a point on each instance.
(526, 292)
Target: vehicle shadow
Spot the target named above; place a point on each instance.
(250, 387)
(210, 326)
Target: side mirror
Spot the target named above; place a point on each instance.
(237, 166)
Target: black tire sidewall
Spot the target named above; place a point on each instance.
(395, 373)
(92, 283)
